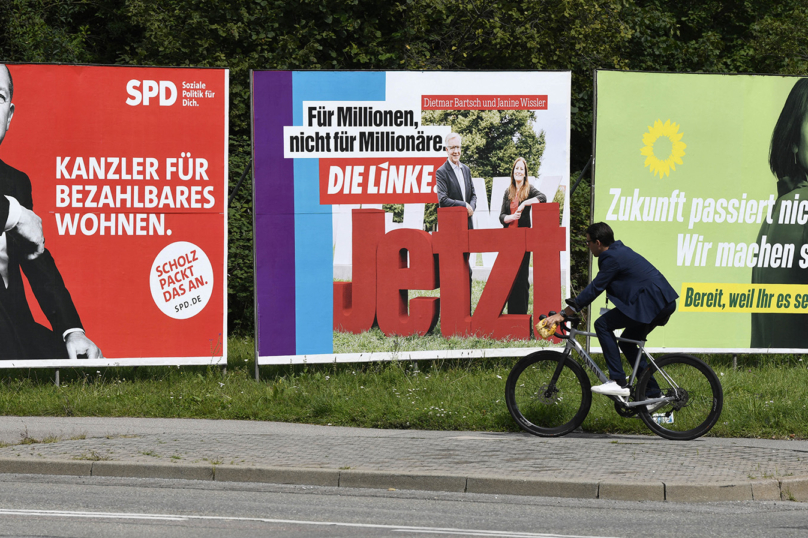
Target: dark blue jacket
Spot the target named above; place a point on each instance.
(449, 194)
(632, 284)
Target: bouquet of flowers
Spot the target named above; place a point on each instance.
(546, 331)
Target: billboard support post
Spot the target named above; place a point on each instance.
(238, 185)
(580, 177)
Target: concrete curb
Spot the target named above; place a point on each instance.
(53, 467)
(579, 489)
(787, 489)
(794, 489)
(384, 480)
(632, 491)
(275, 475)
(153, 470)
(708, 492)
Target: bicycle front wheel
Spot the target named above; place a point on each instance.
(545, 406)
(697, 397)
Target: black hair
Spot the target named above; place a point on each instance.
(788, 133)
(600, 231)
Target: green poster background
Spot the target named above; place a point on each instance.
(726, 124)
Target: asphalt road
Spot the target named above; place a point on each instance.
(95, 506)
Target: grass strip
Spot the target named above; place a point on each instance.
(764, 397)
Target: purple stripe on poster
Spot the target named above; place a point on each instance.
(274, 207)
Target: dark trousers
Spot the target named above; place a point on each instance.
(30, 341)
(519, 297)
(635, 330)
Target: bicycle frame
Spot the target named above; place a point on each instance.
(572, 344)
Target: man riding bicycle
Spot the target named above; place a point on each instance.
(643, 300)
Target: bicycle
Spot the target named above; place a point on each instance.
(548, 393)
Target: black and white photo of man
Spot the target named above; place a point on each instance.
(22, 251)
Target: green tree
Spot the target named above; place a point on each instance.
(245, 35)
(580, 204)
(40, 31)
(780, 40)
(732, 36)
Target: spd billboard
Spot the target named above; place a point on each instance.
(127, 169)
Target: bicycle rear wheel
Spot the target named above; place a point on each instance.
(542, 406)
(697, 392)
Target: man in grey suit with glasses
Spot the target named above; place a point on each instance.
(455, 188)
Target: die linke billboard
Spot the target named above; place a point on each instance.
(705, 175)
(354, 259)
(127, 169)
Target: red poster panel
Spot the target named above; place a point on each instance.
(127, 169)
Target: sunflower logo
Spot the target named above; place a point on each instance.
(663, 148)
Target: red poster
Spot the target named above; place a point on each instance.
(127, 169)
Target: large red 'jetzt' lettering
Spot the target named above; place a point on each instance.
(386, 266)
(488, 320)
(392, 310)
(451, 243)
(355, 305)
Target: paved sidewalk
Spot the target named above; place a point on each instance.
(578, 465)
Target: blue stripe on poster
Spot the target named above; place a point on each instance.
(314, 256)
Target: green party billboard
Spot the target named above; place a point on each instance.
(705, 175)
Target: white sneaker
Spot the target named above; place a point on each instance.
(611, 388)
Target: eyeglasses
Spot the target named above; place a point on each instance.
(452, 147)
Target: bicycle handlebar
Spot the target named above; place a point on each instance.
(575, 320)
